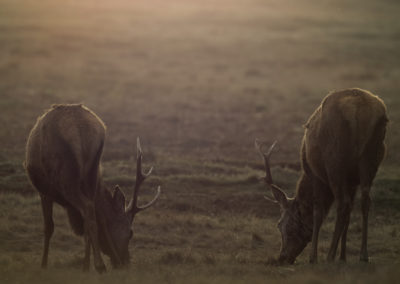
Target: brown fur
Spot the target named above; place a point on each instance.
(63, 155)
(341, 150)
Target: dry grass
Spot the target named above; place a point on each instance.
(197, 81)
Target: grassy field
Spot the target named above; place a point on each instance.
(197, 81)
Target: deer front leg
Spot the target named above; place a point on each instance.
(365, 204)
(47, 209)
(317, 221)
(91, 232)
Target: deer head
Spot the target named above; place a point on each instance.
(118, 218)
(293, 233)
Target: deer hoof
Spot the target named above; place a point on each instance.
(330, 258)
(101, 268)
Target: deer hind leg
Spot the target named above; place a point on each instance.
(86, 260)
(346, 227)
(365, 204)
(321, 204)
(343, 243)
(368, 166)
(47, 209)
(342, 219)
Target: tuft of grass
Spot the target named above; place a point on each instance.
(176, 257)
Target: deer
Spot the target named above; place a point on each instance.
(63, 154)
(342, 148)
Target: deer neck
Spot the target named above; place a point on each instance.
(304, 200)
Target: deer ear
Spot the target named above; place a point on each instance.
(118, 198)
(280, 196)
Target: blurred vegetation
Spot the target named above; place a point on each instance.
(197, 81)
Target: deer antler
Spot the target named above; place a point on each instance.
(279, 195)
(266, 156)
(140, 177)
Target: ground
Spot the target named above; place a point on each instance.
(198, 81)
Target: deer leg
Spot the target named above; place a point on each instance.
(368, 166)
(317, 221)
(342, 217)
(86, 260)
(346, 227)
(365, 204)
(343, 244)
(47, 208)
(344, 237)
(91, 232)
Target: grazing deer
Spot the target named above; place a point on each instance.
(342, 148)
(63, 163)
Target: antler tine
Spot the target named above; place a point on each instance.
(151, 202)
(139, 177)
(270, 199)
(138, 157)
(148, 172)
(266, 156)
